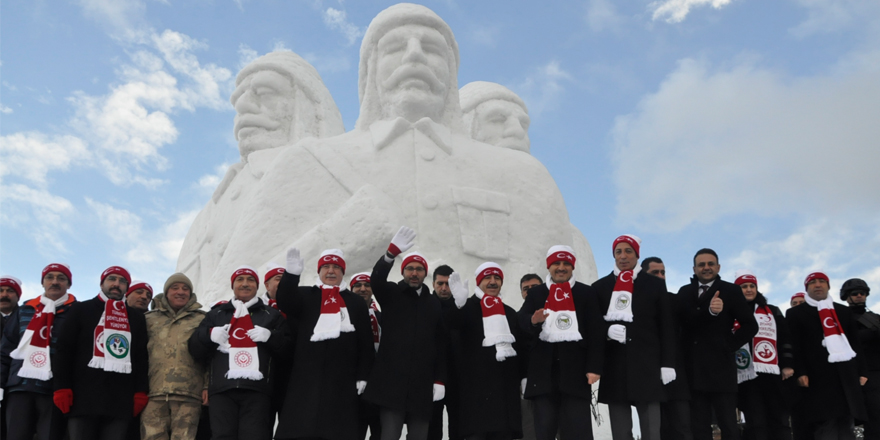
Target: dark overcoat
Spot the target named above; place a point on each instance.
(632, 370)
(834, 389)
(709, 343)
(97, 392)
(322, 399)
(412, 353)
(489, 389)
(563, 366)
(678, 389)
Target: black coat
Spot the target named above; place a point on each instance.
(784, 350)
(488, 389)
(97, 392)
(563, 366)
(632, 370)
(322, 400)
(412, 353)
(678, 389)
(203, 349)
(834, 389)
(709, 343)
(868, 325)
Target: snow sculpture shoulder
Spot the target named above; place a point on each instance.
(279, 99)
(409, 161)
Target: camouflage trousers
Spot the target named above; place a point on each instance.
(170, 419)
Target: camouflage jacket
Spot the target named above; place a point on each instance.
(173, 371)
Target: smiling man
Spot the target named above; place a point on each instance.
(101, 369)
(139, 295)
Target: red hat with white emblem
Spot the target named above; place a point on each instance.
(332, 256)
(414, 257)
(486, 269)
(816, 276)
(363, 277)
(244, 270)
(115, 270)
(560, 253)
(630, 239)
(11, 281)
(135, 285)
(745, 276)
(58, 267)
(798, 295)
(272, 269)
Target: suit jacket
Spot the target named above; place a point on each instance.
(563, 366)
(708, 341)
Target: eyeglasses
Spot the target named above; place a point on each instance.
(859, 293)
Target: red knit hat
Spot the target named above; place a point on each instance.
(488, 268)
(414, 257)
(244, 270)
(115, 270)
(798, 295)
(816, 276)
(359, 278)
(135, 285)
(11, 281)
(332, 256)
(272, 270)
(630, 239)
(58, 267)
(745, 276)
(560, 253)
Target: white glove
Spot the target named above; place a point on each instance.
(402, 241)
(439, 391)
(294, 262)
(361, 386)
(667, 374)
(522, 388)
(617, 333)
(259, 334)
(220, 335)
(459, 290)
(1, 394)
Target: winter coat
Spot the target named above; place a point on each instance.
(97, 392)
(709, 342)
(678, 389)
(322, 399)
(868, 325)
(785, 354)
(412, 354)
(834, 389)
(173, 370)
(632, 370)
(488, 389)
(563, 366)
(204, 350)
(16, 325)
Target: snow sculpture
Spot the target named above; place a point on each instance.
(279, 99)
(408, 161)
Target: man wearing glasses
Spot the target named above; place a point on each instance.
(855, 292)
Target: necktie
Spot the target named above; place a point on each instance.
(703, 289)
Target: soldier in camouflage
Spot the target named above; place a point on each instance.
(178, 384)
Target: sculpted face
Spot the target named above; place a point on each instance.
(502, 124)
(264, 106)
(412, 72)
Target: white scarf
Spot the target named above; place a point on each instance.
(561, 323)
(620, 307)
(112, 336)
(35, 351)
(496, 330)
(765, 358)
(244, 356)
(334, 315)
(835, 340)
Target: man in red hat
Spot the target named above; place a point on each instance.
(10, 293)
(829, 362)
(139, 295)
(797, 299)
(101, 369)
(27, 357)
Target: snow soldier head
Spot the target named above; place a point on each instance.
(279, 98)
(409, 68)
(495, 115)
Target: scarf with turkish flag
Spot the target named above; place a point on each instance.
(561, 323)
(244, 359)
(620, 307)
(374, 325)
(496, 330)
(33, 348)
(334, 315)
(112, 337)
(835, 341)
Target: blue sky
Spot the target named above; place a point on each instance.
(743, 125)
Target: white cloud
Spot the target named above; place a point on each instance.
(711, 143)
(33, 155)
(246, 55)
(41, 215)
(124, 18)
(336, 19)
(208, 80)
(674, 11)
(542, 90)
(5, 110)
(827, 16)
(602, 15)
(209, 182)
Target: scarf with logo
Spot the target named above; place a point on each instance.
(496, 330)
(835, 340)
(334, 315)
(763, 355)
(111, 344)
(244, 358)
(33, 348)
(561, 323)
(374, 325)
(620, 307)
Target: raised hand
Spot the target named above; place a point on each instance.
(294, 262)
(402, 241)
(717, 304)
(459, 289)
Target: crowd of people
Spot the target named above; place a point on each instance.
(365, 358)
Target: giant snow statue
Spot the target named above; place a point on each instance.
(408, 161)
(279, 99)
